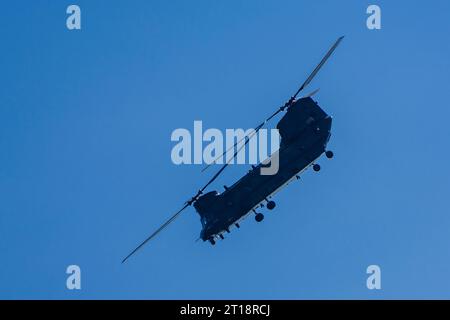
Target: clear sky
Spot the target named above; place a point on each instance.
(85, 168)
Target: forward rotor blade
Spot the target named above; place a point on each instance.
(322, 62)
(157, 231)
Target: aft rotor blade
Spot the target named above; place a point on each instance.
(176, 215)
(309, 95)
(322, 62)
(287, 104)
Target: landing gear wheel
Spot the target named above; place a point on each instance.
(316, 167)
(259, 217)
(329, 154)
(270, 205)
(213, 242)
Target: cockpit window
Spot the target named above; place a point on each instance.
(203, 220)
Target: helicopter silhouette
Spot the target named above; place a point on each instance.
(305, 130)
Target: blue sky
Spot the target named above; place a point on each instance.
(85, 168)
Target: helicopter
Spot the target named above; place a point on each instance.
(305, 130)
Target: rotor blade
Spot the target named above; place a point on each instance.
(156, 232)
(228, 162)
(232, 147)
(322, 62)
(311, 93)
(249, 137)
(307, 81)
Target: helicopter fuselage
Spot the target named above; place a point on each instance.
(305, 130)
